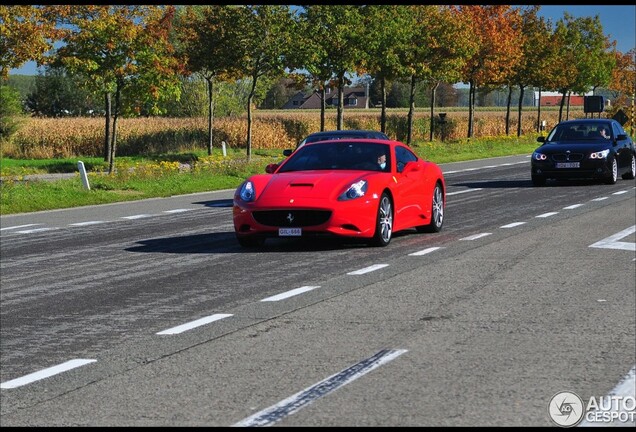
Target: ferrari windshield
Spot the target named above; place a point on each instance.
(339, 155)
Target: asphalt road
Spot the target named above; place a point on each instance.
(150, 314)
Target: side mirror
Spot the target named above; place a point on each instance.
(287, 152)
(271, 168)
(541, 139)
(411, 166)
(621, 137)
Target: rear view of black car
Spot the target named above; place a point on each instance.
(342, 134)
(584, 149)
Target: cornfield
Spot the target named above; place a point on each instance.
(43, 138)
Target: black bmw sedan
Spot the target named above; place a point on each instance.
(584, 149)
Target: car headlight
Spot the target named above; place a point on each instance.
(600, 154)
(539, 156)
(247, 192)
(356, 190)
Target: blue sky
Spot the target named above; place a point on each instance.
(619, 24)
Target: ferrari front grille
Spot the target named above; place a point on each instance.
(291, 218)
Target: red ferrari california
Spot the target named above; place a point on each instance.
(350, 188)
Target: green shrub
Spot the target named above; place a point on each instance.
(10, 112)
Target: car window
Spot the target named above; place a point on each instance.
(337, 155)
(402, 156)
(590, 131)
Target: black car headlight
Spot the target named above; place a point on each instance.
(599, 154)
(539, 156)
(247, 192)
(356, 190)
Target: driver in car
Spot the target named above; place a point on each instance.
(382, 161)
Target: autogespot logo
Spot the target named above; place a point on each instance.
(566, 409)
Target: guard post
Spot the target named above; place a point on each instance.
(442, 122)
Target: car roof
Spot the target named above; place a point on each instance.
(587, 120)
(359, 140)
(347, 132)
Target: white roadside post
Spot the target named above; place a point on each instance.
(82, 170)
(224, 150)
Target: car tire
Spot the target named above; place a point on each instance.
(384, 222)
(538, 180)
(251, 241)
(629, 175)
(614, 173)
(437, 212)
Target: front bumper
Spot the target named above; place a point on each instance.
(590, 169)
(355, 219)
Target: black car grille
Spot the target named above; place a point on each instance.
(292, 218)
(564, 157)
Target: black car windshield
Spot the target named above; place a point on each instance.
(338, 155)
(590, 131)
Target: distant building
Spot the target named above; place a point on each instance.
(354, 97)
(554, 99)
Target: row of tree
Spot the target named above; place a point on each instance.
(53, 93)
(141, 53)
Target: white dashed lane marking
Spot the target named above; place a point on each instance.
(139, 216)
(545, 215)
(475, 236)
(45, 373)
(193, 324)
(512, 225)
(177, 210)
(35, 230)
(424, 251)
(463, 191)
(18, 227)
(87, 223)
(290, 293)
(368, 269)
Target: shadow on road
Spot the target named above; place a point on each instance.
(216, 203)
(225, 242)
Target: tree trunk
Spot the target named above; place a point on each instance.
(409, 135)
(340, 101)
(383, 115)
(323, 95)
(521, 91)
(107, 116)
(250, 98)
(508, 103)
(561, 105)
(113, 145)
(210, 81)
(567, 116)
(471, 107)
(433, 90)
(539, 111)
